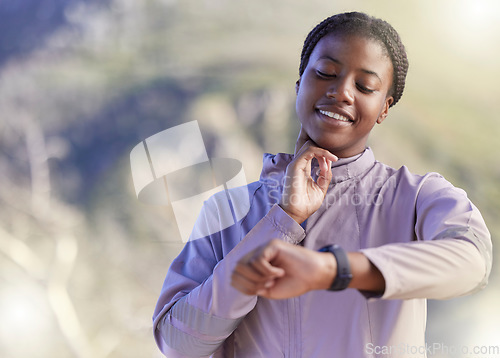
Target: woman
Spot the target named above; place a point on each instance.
(391, 239)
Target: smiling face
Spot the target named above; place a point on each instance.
(343, 92)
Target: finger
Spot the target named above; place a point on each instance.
(304, 141)
(240, 285)
(309, 151)
(325, 178)
(310, 148)
(325, 168)
(249, 287)
(246, 286)
(265, 268)
(251, 274)
(267, 289)
(271, 253)
(262, 263)
(321, 166)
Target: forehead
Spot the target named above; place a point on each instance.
(353, 50)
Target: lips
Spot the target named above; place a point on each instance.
(335, 116)
(338, 115)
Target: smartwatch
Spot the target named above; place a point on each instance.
(344, 275)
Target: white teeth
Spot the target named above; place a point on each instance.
(334, 116)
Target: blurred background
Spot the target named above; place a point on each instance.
(82, 261)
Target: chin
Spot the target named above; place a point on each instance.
(325, 144)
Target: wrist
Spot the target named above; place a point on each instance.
(299, 219)
(328, 270)
(343, 274)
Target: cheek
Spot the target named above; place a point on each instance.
(371, 107)
(302, 100)
(309, 85)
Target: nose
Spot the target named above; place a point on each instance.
(341, 91)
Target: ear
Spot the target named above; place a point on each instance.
(385, 110)
(297, 85)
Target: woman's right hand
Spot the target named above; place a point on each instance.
(301, 195)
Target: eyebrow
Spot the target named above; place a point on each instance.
(369, 72)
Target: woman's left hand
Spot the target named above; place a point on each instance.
(281, 270)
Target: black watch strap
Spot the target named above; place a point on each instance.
(344, 276)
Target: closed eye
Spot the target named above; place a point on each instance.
(325, 75)
(364, 89)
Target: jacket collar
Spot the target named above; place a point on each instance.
(274, 167)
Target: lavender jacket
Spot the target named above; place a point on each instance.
(424, 235)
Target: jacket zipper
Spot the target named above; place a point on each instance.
(293, 329)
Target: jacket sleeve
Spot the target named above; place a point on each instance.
(452, 253)
(198, 308)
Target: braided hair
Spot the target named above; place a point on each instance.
(357, 23)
